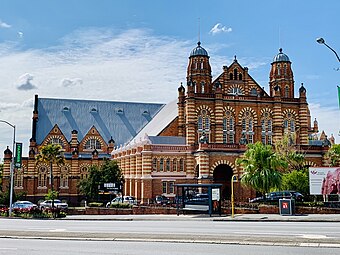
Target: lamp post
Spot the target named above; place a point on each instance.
(322, 41)
(233, 179)
(12, 168)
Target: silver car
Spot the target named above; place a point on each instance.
(125, 199)
(57, 204)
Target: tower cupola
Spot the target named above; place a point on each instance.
(199, 70)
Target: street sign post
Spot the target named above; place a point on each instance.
(18, 155)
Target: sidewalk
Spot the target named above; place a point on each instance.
(204, 217)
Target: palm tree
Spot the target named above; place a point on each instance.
(51, 154)
(261, 168)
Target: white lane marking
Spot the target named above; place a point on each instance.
(314, 236)
(14, 249)
(58, 230)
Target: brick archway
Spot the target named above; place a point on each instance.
(222, 175)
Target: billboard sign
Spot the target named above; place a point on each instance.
(324, 180)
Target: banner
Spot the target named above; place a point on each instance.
(339, 95)
(324, 180)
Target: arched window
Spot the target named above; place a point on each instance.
(228, 128)
(240, 77)
(286, 91)
(278, 69)
(247, 126)
(19, 178)
(174, 165)
(235, 74)
(236, 91)
(181, 165)
(93, 144)
(202, 87)
(42, 177)
(167, 165)
(230, 76)
(285, 69)
(84, 172)
(154, 164)
(64, 177)
(161, 165)
(289, 123)
(253, 92)
(56, 140)
(203, 125)
(266, 128)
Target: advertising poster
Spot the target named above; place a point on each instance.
(324, 180)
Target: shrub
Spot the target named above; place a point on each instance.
(120, 205)
(95, 204)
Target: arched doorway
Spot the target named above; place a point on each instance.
(222, 174)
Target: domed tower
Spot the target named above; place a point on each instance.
(281, 76)
(199, 71)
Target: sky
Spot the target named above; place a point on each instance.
(135, 50)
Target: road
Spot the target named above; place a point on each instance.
(62, 247)
(270, 233)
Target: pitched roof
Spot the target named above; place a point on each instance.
(163, 118)
(121, 120)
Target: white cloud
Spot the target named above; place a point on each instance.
(219, 28)
(4, 25)
(20, 34)
(25, 82)
(67, 82)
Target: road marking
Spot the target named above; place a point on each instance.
(8, 249)
(58, 230)
(314, 236)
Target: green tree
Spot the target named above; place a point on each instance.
(334, 155)
(108, 172)
(285, 149)
(260, 165)
(51, 154)
(297, 180)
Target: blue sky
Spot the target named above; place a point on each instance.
(138, 50)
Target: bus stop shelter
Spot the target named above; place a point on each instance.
(203, 198)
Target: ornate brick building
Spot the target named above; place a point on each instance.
(194, 139)
(211, 124)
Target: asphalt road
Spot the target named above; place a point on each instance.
(62, 247)
(305, 234)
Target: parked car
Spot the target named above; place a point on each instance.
(275, 196)
(125, 199)
(57, 204)
(162, 200)
(23, 205)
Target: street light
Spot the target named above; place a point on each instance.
(322, 41)
(233, 179)
(12, 168)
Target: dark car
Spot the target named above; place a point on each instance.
(162, 200)
(275, 196)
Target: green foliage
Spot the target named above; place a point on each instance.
(109, 171)
(285, 149)
(51, 195)
(120, 205)
(51, 154)
(260, 165)
(95, 204)
(334, 155)
(297, 180)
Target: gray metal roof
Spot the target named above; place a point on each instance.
(281, 57)
(163, 118)
(178, 140)
(121, 120)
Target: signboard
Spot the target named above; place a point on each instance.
(110, 187)
(324, 180)
(286, 206)
(18, 155)
(215, 194)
